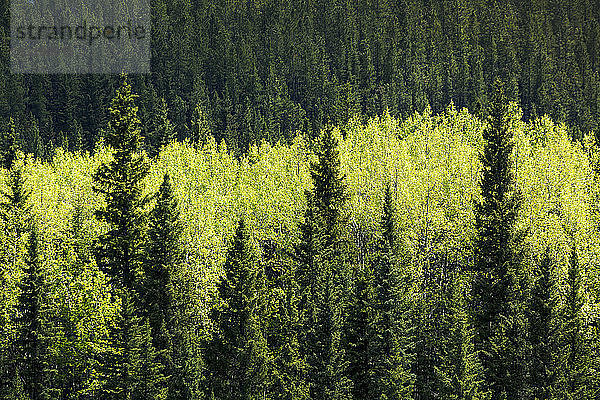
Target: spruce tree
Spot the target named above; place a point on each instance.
(119, 252)
(131, 365)
(14, 209)
(392, 347)
(237, 356)
(163, 256)
(323, 275)
(359, 337)
(133, 370)
(495, 216)
(460, 374)
(9, 145)
(162, 130)
(15, 215)
(287, 367)
(30, 341)
(542, 332)
(575, 378)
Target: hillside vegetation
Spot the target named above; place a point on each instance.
(429, 165)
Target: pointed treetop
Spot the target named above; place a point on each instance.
(124, 127)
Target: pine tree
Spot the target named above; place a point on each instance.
(15, 214)
(495, 216)
(237, 356)
(30, 341)
(358, 337)
(120, 251)
(132, 364)
(201, 128)
(14, 209)
(460, 373)
(163, 256)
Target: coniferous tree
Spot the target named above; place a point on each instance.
(120, 254)
(9, 145)
(14, 209)
(460, 373)
(237, 355)
(120, 251)
(322, 255)
(30, 341)
(163, 256)
(392, 346)
(163, 131)
(576, 357)
(495, 216)
(131, 365)
(287, 367)
(359, 337)
(542, 332)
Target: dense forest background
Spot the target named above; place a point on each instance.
(248, 70)
(310, 200)
(443, 256)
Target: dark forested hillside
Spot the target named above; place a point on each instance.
(308, 200)
(254, 69)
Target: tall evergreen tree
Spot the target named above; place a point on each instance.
(162, 130)
(392, 346)
(163, 256)
(133, 370)
(9, 145)
(323, 275)
(495, 216)
(131, 365)
(359, 337)
(30, 342)
(542, 332)
(460, 374)
(576, 379)
(237, 355)
(287, 367)
(15, 215)
(120, 250)
(14, 209)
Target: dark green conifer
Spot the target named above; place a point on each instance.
(131, 365)
(237, 355)
(495, 217)
(323, 275)
(360, 337)
(163, 257)
(30, 341)
(14, 209)
(9, 145)
(392, 345)
(542, 332)
(287, 367)
(162, 130)
(119, 252)
(577, 356)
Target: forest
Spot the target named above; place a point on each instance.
(328, 200)
(441, 256)
(264, 69)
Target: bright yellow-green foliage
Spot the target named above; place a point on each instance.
(430, 160)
